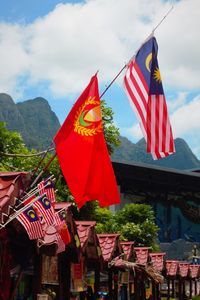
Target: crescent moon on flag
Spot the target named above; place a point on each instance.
(148, 61)
(93, 115)
(81, 119)
(31, 213)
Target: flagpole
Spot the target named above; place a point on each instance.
(122, 69)
(36, 189)
(43, 170)
(45, 154)
(118, 74)
(18, 212)
(163, 18)
(160, 22)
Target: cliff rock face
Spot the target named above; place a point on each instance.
(38, 124)
(41, 122)
(34, 119)
(10, 114)
(183, 159)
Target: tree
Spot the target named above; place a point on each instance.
(12, 143)
(134, 222)
(111, 132)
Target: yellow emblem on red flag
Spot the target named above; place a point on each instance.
(88, 119)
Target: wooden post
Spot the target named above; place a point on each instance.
(64, 269)
(183, 285)
(130, 290)
(16, 286)
(115, 294)
(153, 286)
(173, 288)
(137, 288)
(143, 287)
(157, 291)
(179, 289)
(195, 286)
(190, 282)
(96, 281)
(110, 293)
(168, 288)
(37, 278)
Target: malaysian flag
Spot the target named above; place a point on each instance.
(61, 226)
(46, 186)
(31, 222)
(60, 217)
(45, 209)
(143, 86)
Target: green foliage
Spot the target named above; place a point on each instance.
(111, 132)
(137, 213)
(135, 222)
(11, 142)
(105, 221)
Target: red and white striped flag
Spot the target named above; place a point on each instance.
(45, 209)
(46, 186)
(31, 222)
(143, 86)
(61, 226)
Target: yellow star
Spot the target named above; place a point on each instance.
(156, 75)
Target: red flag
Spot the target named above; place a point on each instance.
(83, 154)
(143, 85)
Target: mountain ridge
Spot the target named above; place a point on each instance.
(182, 159)
(38, 124)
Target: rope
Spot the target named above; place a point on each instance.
(25, 155)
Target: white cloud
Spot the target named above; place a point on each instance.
(185, 120)
(179, 46)
(68, 45)
(178, 102)
(133, 133)
(185, 124)
(72, 42)
(14, 58)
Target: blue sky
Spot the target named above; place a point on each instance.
(51, 48)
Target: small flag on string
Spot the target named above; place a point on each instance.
(45, 209)
(143, 86)
(61, 226)
(46, 186)
(31, 222)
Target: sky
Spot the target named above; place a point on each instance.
(51, 48)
